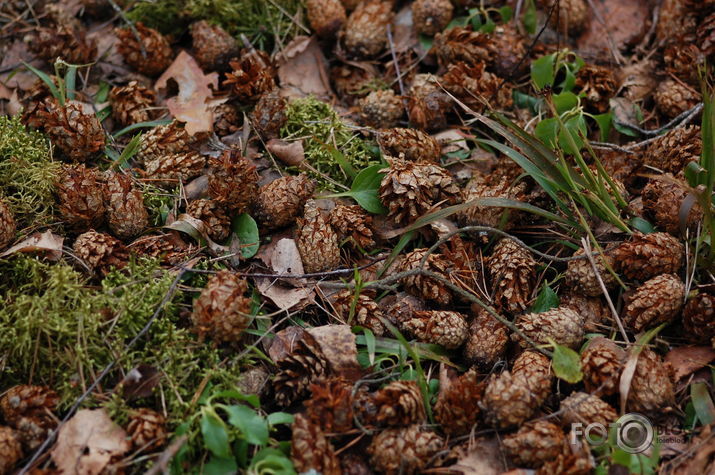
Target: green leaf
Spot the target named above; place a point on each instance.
(604, 121)
(220, 466)
(426, 42)
(624, 129)
(215, 435)
(525, 101)
(246, 229)
(365, 189)
(546, 300)
(458, 21)
(140, 125)
(569, 81)
(566, 363)
(475, 19)
(103, 92)
(576, 127)
(48, 82)
(129, 151)
(276, 418)
(70, 81)
(506, 13)
(339, 157)
(703, 403)
(529, 17)
(253, 427)
(542, 71)
(642, 225)
(548, 131)
(564, 101)
(270, 461)
(488, 27)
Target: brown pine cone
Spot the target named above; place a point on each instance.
(587, 409)
(10, 449)
(535, 443)
(706, 35)
(164, 140)
(652, 387)
(431, 16)
(35, 101)
(168, 247)
(673, 151)
(325, 17)
(492, 216)
(658, 300)
(302, 366)
(65, 42)
(602, 362)
(233, 181)
(413, 144)
(487, 339)
(426, 287)
(647, 255)
(445, 328)
(147, 429)
(400, 404)
(535, 370)
(310, 449)
(571, 17)
(73, 130)
(222, 311)
(427, 106)
(28, 409)
(508, 400)
(457, 408)
(101, 252)
(676, 22)
(354, 227)
(567, 464)
(227, 119)
(699, 317)
(509, 51)
(367, 313)
(218, 224)
(513, 275)
(152, 56)
(169, 170)
(7, 225)
(400, 307)
(281, 201)
(354, 463)
(662, 202)
(317, 241)
(560, 324)
(405, 451)
(132, 103)
(477, 88)
(461, 44)
(80, 196)
(269, 115)
(682, 60)
(212, 46)
(598, 84)
(331, 405)
(381, 109)
(673, 98)
(594, 310)
(251, 76)
(126, 214)
(409, 190)
(365, 32)
(581, 277)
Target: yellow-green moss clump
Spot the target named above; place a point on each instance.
(321, 129)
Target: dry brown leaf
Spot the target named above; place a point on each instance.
(595, 40)
(290, 153)
(404, 35)
(339, 347)
(15, 74)
(688, 359)
(482, 458)
(451, 140)
(195, 103)
(88, 442)
(285, 259)
(302, 69)
(140, 381)
(48, 244)
(283, 342)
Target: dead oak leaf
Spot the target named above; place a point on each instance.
(688, 359)
(47, 243)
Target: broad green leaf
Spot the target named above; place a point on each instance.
(365, 189)
(270, 461)
(546, 300)
(642, 225)
(426, 41)
(488, 27)
(506, 13)
(703, 403)
(548, 131)
(569, 81)
(215, 435)
(576, 127)
(220, 466)
(542, 71)
(475, 19)
(251, 399)
(246, 229)
(604, 122)
(525, 101)
(276, 418)
(566, 363)
(564, 101)
(529, 17)
(140, 125)
(253, 427)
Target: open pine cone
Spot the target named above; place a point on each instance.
(281, 201)
(222, 311)
(80, 195)
(457, 408)
(233, 181)
(367, 313)
(478, 215)
(512, 270)
(672, 151)
(462, 44)
(302, 366)
(645, 256)
(73, 129)
(331, 405)
(147, 429)
(602, 362)
(310, 449)
(101, 252)
(126, 214)
(171, 169)
(354, 226)
(561, 324)
(400, 404)
(423, 286)
(699, 317)
(217, 222)
(251, 76)
(317, 241)
(132, 103)
(150, 54)
(413, 144)
(445, 328)
(403, 451)
(7, 225)
(164, 140)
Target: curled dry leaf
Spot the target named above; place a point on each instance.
(290, 153)
(47, 244)
(688, 359)
(284, 258)
(302, 69)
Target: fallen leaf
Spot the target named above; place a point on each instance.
(451, 140)
(16, 75)
(338, 345)
(302, 69)
(404, 35)
(197, 229)
(195, 102)
(688, 359)
(282, 296)
(290, 153)
(595, 40)
(88, 442)
(285, 259)
(483, 457)
(140, 382)
(48, 244)
(284, 341)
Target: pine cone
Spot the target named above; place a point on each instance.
(132, 103)
(354, 227)
(331, 405)
(311, 450)
(233, 181)
(427, 106)
(699, 317)
(658, 300)
(426, 287)
(28, 409)
(409, 190)
(587, 409)
(648, 255)
(561, 324)
(147, 429)
(164, 140)
(513, 275)
(571, 17)
(492, 216)
(365, 32)
(252, 76)
(593, 309)
(598, 84)
(221, 310)
(152, 56)
(325, 17)
(509, 49)
(675, 22)
(567, 464)
(445, 328)
(477, 88)
(652, 387)
(381, 108)
(404, 451)
(80, 195)
(217, 223)
(317, 241)
(457, 408)
(7, 225)
(535, 443)
(673, 151)
(673, 98)
(602, 362)
(682, 60)
(78, 134)
(487, 339)
(65, 42)
(10, 449)
(461, 44)
(126, 214)
(400, 404)
(413, 144)
(169, 170)
(281, 201)
(508, 400)
(535, 370)
(212, 46)
(400, 307)
(662, 202)
(34, 102)
(431, 16)
(706, 35)
(168, 247)
(581, 276)
(304, 365)
(366, 311)
(269, 115)
(101, 252)
(227, 119)
(354, 463)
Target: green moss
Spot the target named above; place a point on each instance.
(27, 173)
(167, 16)
(319, 125)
